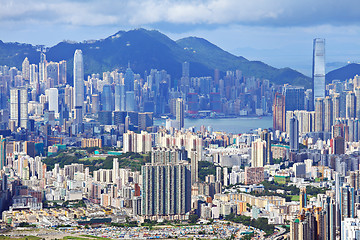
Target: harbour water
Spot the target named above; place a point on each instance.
(229, 125)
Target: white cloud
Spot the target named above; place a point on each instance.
(142, 12)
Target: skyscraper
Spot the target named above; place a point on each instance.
(129, 79)
(78, 79)
(2, 152)
(26, 69)
(265, 135)
(166, 189)
(318, 73)
(258, 153)
(294, 134)
(319, 115)
(53, 96)
(42, 65)
(294, 98)
(279, 112)
(19, 107)
(328, 115)
(180, 112)
(350, 105)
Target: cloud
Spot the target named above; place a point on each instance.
(201, 12)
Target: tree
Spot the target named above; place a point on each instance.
(193, 218)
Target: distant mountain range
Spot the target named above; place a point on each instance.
(146, 49)
(343, 73)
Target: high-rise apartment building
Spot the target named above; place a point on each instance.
(350, 105)
(19, 107)
(319, 115)
(328, 114)
(294, 134)
(180, 112)
(166, 189)
(318, 73)
(258, 153)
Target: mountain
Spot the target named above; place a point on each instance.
(144, 50)
(343, 73)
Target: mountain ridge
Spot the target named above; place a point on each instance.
(147, 49)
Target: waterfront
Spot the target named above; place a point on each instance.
(229, 125)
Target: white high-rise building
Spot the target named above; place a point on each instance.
(26, 69)
(19, 107)
(53, 97)
(78, 79)
(258, 148)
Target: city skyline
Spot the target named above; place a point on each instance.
(276, 33)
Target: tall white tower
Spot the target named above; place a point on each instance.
(78, 79)
(78, 85)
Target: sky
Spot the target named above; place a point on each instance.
(278, 32)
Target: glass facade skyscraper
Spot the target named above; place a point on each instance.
(319, 68)
(78, 79)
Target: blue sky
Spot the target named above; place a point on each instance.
(278, 32)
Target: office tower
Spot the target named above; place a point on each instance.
(26, 69)
(62, 72)
(78, 80)
(258, 153)
(265, 135)
(106, 98)
(350, 105)
(328, 114)
(19, 107)
(166, 190)
(180, 112)
(2, 152)
(42, 67)
(95, 103)
(338, 145)
(119, 117)
(294, 134)
(145, 120)
(279, 122)
(294, 98)
(69, 97)
(129, 79)
(52, 74)
(318, 73)
(117, 97)
(53, 97)
(130, 101)
(319, 115)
